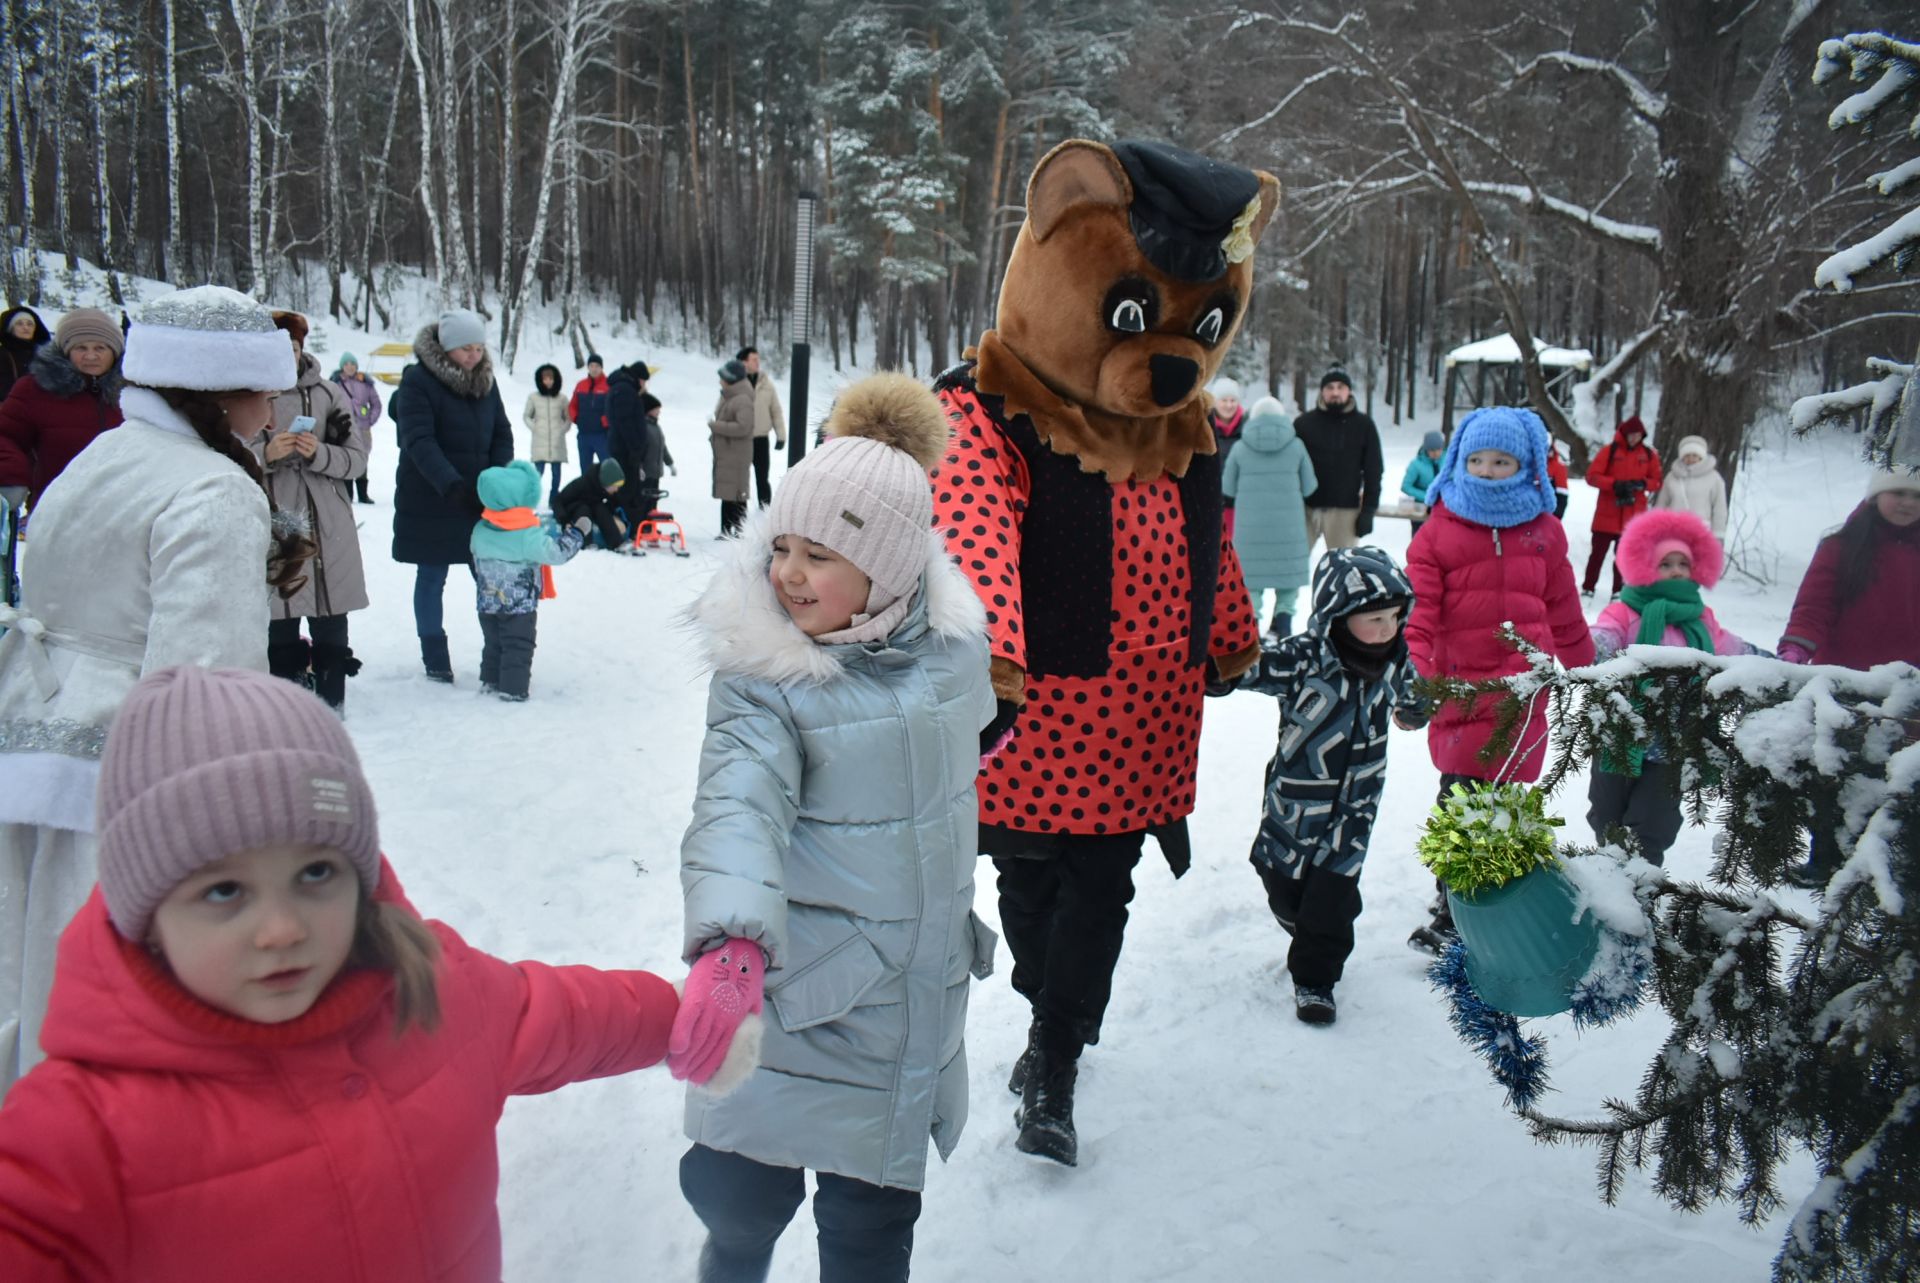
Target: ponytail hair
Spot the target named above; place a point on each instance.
(1858, 538)
(291, 548)
(387, 937)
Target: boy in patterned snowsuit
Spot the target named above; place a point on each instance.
(1337, 683)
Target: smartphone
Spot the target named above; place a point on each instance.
(301, 423)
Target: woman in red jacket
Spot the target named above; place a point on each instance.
(70, 396)
(1859, 604)
(1627, 475)
(262, 1064)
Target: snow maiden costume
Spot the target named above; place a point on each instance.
(1082, 496)
(150, 550)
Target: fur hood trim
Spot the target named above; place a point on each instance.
(56, 373)
(743, 629)
(472, 384)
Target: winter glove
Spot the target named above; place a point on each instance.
(1623, 492)
(467, 496)
(1794, 653)
(584, 525)
(726, 986)
(1363, 523)
(996, 734)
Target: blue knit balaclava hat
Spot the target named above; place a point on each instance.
(1509, 501)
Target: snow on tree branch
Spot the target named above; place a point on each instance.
(1878, 397)
(1637, 236)
(1649, 105)
(1892, 241)
(1587, 420)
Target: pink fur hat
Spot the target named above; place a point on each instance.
(1652, 535)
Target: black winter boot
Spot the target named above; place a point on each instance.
(291, 660)
(1045, 1116)
(1281, 626)
(332, 665)
(433, 654)
(1017, 1080)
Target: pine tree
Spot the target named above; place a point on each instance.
(1787, 1030)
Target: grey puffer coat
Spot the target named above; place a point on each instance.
(732, 429)
(319, 491)
(835, 824)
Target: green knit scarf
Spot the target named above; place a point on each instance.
(1663, 604)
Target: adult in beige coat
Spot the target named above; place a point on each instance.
(731, 434)
(769, 420)
(310, 476)
(545, 417)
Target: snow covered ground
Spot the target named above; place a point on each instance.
(1220, 1138)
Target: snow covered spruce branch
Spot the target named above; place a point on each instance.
(1788, 1029)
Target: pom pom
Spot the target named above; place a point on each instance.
(896, 410)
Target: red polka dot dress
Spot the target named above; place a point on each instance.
(1117, 752)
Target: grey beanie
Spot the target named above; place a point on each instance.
(460, 327)
(733, 372)
(1432, 441)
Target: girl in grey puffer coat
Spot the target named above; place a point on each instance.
(834, 828)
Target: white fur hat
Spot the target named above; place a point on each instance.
(1224, 387)
(208, 339)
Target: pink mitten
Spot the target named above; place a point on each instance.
(725, 986)
(1794, 653)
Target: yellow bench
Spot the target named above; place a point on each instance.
(401, 350)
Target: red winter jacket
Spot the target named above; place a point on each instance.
(42, 431)
(170, 1143)
(1622, 462)
(1882, 623)
(1468, 580)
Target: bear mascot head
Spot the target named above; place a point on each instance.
(1127, 283)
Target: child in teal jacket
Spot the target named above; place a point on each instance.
(513, 550)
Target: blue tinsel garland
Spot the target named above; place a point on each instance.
(1519, 1061)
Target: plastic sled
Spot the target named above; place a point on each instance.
(659, 530)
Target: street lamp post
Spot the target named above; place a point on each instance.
(802, 329)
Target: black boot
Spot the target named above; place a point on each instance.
(332, 665)
(292, 660)
(1281, 626)
(1017, 1080)
(433, 654)
(1439, 932)
(1045, 1116)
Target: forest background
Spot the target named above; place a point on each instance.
(1654, 181)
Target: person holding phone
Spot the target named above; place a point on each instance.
(314, 452)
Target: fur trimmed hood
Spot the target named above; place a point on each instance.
(743, 629)
(56, 373)
(472, 384)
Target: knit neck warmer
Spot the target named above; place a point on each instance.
(1367, 661)
(876, 627)
(1669, 603)
(1508, 501)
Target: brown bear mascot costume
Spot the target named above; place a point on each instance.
(1081, 494)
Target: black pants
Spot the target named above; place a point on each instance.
(866, 1231)
(1598, 558)
(553, 489)
(360, 489)
(733, 512)
(763, 469)
(1646, 805)
(324, 666)
(1319, 909)
(1064, 917)
(506, 653)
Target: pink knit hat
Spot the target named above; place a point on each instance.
(1650, 536)
(865, 493)
(202, 763)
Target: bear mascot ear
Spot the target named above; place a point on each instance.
(1077, 172)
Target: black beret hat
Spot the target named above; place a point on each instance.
(1184, 206)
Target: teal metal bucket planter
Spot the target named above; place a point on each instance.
(1525, 951)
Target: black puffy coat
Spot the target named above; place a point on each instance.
(626, 421)
(451, 425)
(1345, 449)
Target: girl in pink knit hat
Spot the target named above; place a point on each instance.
(828, 871)
(261, 1063)
(1666, 557)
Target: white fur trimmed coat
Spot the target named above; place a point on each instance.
(835, 823)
